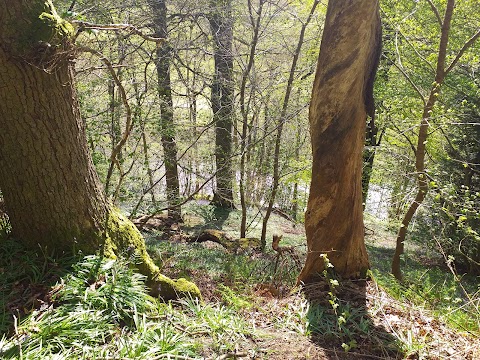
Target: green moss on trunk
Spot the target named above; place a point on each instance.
(123, 237)
(45, 26)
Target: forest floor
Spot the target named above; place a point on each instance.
(375, 319)
(250, 309)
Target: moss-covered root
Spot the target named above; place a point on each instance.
(167, 289)
(123, 236)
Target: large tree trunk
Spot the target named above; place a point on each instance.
(342, 95)
(52, 193)
(167, 126)
(221, 25)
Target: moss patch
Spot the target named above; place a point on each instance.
(40, 29)
(123, 237)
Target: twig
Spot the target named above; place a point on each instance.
(415, 87)
(233, 355)
(462, 50)
(86, 25)
(435, 11)
(129, 124)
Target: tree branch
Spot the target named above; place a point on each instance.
(462, 50)
(412, 146)
(83, 25)
(129, 124)
(435, 11)
(415, 87)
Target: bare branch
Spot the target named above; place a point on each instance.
(129, 125)
(465, 47)
(435, 11)
(416, 52)
(412, 146)
(83, 25)
(415, 87)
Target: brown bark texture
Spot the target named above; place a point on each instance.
(51, 189)
(341, 98)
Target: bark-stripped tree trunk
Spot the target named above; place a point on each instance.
(221, 25)
(51, 190)
(167, 126)
(341, 97)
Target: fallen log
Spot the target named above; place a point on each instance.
(233, 245)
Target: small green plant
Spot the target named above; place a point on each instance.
(101, 309)
(225, 328)
(5, 227)
(337, 318)
(205, 212)
(231, 298)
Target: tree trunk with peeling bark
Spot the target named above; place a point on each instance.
(52, 193)
(341, 98)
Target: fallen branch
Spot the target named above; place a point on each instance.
(220, 237)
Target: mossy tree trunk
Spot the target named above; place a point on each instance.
(341, 98)
(52, 192)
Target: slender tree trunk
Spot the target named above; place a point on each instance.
(341, 97)
(294, 207)
(51, 190)
(221, 25)
(281, 123)
(244, 112)
(137, 116)
(167, 126)
(422, 141)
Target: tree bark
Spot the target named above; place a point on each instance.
(341, 98)
(167, 126)
(221, 25)
(52, 193)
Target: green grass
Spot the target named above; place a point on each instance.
(428, 283)
(91, 308)
(101, 309)
(25, 278)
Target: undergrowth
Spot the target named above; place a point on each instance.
(93, 308)
(101, 309)
(430, 281)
